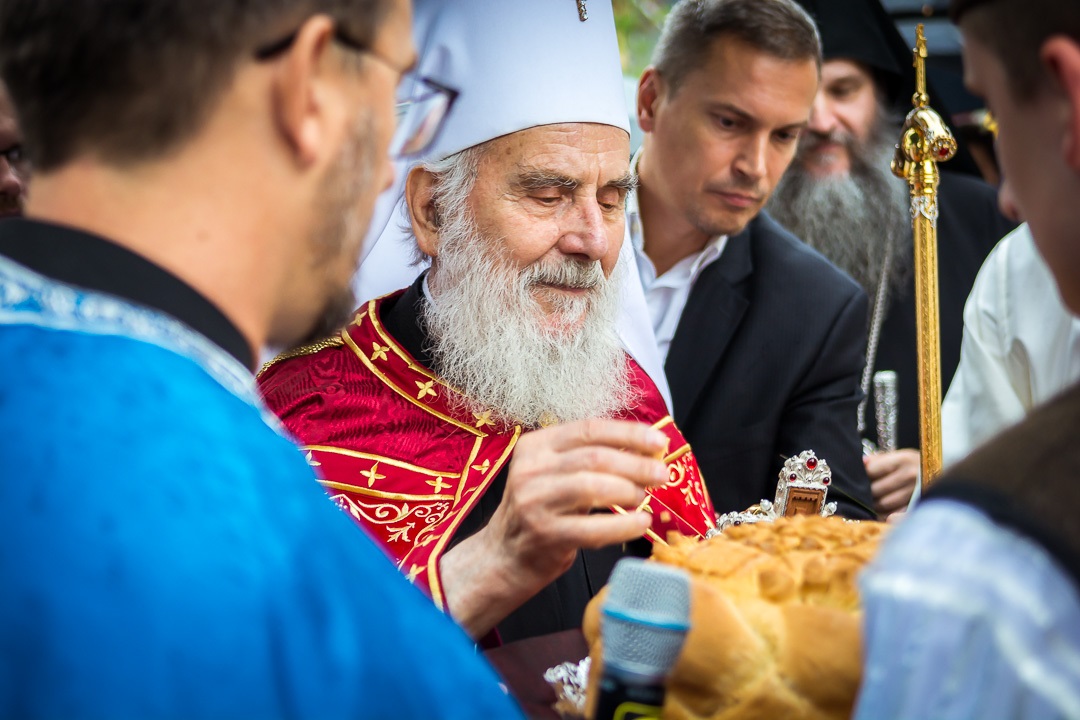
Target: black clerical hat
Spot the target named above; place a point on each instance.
(861, 30)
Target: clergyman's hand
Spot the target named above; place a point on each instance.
(892, 479)
(558, 476)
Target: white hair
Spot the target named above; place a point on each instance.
(455, 177)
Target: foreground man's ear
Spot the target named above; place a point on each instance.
(1061, 55)
(419, 197)
(301, 90)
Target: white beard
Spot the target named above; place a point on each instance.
(493, 343)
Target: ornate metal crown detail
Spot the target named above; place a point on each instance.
(804, 481)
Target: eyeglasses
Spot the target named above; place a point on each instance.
(416, 128)
(421, 116)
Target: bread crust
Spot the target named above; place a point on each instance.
(775, 621)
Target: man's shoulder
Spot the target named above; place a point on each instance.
(328, 366)
(793, 268)
(338, 354)
(123, 398)
(298, 363)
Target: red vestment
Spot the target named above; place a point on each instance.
(408, 463)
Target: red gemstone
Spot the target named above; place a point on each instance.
(811, 463)
(826, 481)
(943, 152)
(793, 476)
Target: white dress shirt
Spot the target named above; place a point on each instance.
(666, 295)
(1021, 347)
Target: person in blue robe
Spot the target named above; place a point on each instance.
(164, 550)
(201, 171)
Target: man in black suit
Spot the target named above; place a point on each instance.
(763, 337)
(841, 197)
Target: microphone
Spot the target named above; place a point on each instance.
(643, 624)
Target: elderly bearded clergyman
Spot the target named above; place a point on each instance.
(484, 422)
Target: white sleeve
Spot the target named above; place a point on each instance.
(988, 391)
(989, 630)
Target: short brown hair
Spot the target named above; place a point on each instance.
(1015, 30)
(780, 28)
(129, 80)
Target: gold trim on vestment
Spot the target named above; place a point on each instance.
(663, 422)
(407, 394)
(377, 326)
(677, 454)
(382, 495)
(382, 459)
(309, 349)
(648, 531)
(434, 578)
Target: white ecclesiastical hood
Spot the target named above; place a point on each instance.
(515, 64)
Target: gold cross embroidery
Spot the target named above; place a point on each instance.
(426, 388)
(359, 317)
(372, 475)
(483, 468)
(378, 352)
(483, 419)
(438, 484)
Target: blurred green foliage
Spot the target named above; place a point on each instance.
(638, 24)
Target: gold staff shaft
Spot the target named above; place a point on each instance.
(925, 141)
(927, 320)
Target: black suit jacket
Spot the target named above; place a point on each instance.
(766, 363)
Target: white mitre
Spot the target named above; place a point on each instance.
(515, 64)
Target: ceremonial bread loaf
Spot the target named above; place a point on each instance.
(774, 621)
